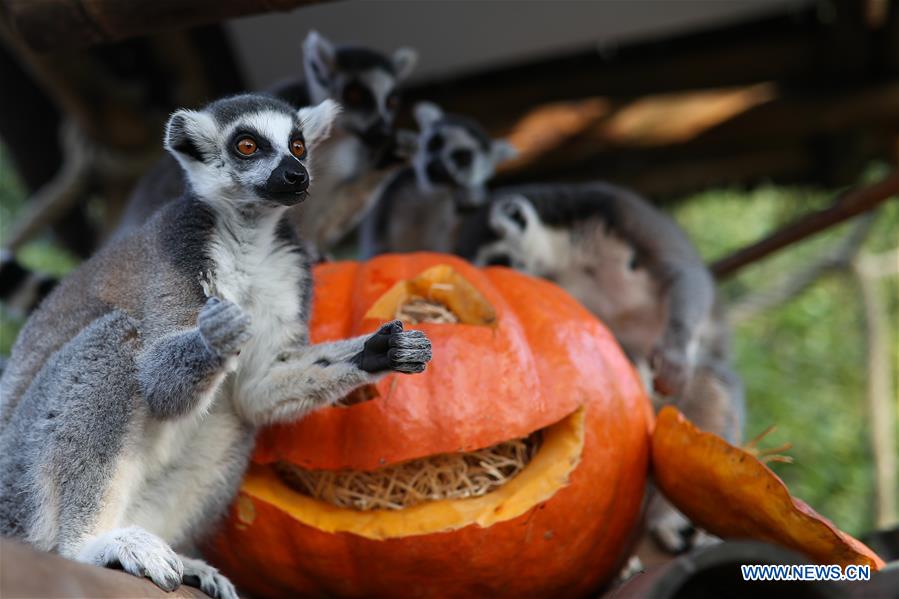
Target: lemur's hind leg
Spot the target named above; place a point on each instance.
(713, 401)
(86, 405)
(319, 375)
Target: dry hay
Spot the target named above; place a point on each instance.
(444, 476)
(418, 310)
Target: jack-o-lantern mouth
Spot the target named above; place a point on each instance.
(427, 495)
(433, 478)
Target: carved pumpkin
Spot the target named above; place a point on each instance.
(514, 466)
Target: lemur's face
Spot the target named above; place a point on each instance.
(454, 151)
(364, 81)
(249, 148)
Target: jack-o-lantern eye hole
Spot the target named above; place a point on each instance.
(246, 146)
(297, 148)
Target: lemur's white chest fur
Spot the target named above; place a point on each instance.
(262, 275)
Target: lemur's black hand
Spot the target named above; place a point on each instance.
(392, 348)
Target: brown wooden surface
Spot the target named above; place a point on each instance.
(55, 24)
(26, 573)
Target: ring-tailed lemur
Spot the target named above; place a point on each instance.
(634, 268)
(418, 207)
(354, 159)
(132, 398)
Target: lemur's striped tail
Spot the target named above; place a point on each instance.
(21, 289)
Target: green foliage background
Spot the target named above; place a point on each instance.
(803, 363)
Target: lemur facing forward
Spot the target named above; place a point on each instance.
(349, 164)
(633, 267)
(419, 207)
(133, 394)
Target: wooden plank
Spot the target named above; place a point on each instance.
(25, 572)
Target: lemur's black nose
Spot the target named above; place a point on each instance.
(287, 182)
(295, 176)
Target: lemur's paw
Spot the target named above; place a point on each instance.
(199, 574)
(392, 348)
(224, 325)
(137, 552)
(670, 370)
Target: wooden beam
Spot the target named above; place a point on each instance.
(675, 143)
(66, 24)
(794, 48)
(851, 203)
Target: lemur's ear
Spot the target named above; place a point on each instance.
(501, 150)
(316, 121)
(404, 61)
(190, 135)
(320, 52)
(426, 113)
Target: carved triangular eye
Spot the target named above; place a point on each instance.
(437, 295)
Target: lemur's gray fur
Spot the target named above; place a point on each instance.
(418, 207)
(359, 154)
(133, 394)
(634, 268)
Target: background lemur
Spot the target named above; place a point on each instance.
(354, 158)
(131, 401)
(417, 208)
(634, 268)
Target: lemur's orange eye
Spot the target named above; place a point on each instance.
(247, 146)
(298, 148)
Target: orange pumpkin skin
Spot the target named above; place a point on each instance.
(544, 357)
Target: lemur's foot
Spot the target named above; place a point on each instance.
(199, 574)
(675, 533)
(224, 325)
(670, 370)
(137, 552)
(392, 348)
